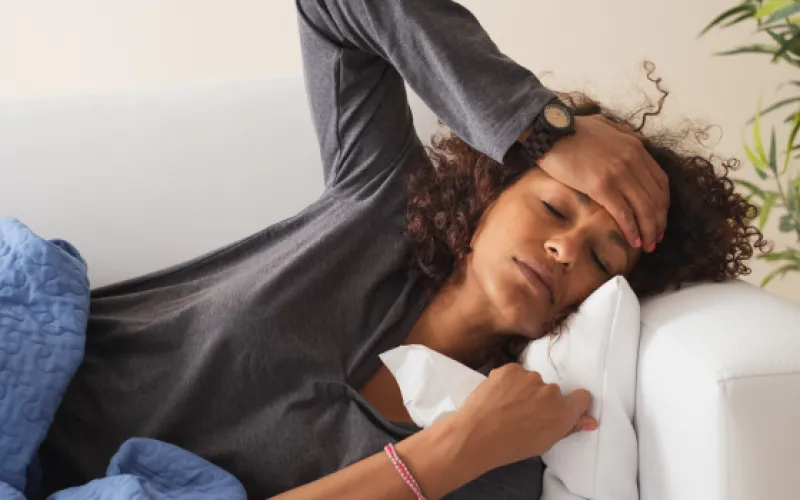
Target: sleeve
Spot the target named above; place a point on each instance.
(357, 55)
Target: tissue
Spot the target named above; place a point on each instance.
(433, 386)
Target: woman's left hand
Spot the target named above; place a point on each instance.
(609, 163)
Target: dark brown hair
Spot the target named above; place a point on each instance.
(709, 235)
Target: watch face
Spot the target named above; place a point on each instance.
(556, 116)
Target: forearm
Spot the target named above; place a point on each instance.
(447, 57)
(437, 457)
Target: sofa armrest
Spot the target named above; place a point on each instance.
(718, 395)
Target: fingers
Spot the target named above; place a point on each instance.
(534, 377)
(580, 400)
(649, 202)
(621, 210)
(640, 192)
(643, 191)
(584, 424)
(650, 195)
(516, 369)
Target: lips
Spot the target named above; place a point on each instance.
(538, 276)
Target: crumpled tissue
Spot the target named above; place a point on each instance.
(433, 386)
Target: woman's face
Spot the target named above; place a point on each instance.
(541, 248)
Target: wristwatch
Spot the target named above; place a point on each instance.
(555, 121)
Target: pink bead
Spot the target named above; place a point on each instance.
(408, 478)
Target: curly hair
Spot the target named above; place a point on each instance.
(709, 235)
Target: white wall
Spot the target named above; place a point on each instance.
(52, 48)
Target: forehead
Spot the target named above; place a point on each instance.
(593, 215)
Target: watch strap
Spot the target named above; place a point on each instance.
(542, 136)
(539, 142)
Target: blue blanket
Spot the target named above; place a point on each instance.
(44, 306)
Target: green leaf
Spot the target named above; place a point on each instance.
(759, 147)
(789, 255)
(772, 32)
(737, 20)
(793, 198)
(788, 40)
(755, 161)
(771, 7)
(777, 105)
(763, 214)
(778, 26)
(744, 7)
(755, 190)
(758, 48)
(783, 13)
(778, 32)
(781, 271)
(794, 205)
(789, 44)
(787, 223)
(773, 162)
(790, 142)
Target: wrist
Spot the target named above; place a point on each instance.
(554, 122)
(443, 457)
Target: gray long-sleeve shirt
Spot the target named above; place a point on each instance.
(251, 356)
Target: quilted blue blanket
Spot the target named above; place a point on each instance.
(44, 306)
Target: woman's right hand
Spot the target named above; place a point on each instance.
(514, 415)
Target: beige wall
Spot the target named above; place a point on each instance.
(56, 47)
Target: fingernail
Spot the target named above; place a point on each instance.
(651, 247)
(660, 237)
(589, 427)
(638, 242)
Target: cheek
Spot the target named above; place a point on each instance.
(583, 280)
(507, 230)
(580, 283)
(510, 222)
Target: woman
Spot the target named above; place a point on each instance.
(263, 356)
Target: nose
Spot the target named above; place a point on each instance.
(565, 247)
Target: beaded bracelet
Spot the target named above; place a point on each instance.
(404, 472)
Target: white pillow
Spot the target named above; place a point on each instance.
(597, 353)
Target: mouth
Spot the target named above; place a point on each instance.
(538, 276)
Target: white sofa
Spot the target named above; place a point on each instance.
(141, 181)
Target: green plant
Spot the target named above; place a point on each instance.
(778, 22)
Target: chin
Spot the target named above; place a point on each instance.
(521, 310)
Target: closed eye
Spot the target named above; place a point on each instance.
(553, 210)
(600, 264)
(603, 268)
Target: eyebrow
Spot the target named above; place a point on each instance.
(583, 199)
